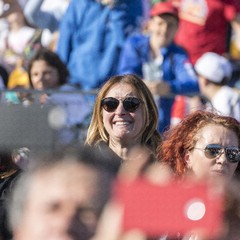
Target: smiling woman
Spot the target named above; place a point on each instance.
(124, 116)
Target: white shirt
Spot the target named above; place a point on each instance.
(227, 102)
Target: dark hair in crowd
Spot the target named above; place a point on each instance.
(53, 60)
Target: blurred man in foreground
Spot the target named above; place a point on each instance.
(61, 198)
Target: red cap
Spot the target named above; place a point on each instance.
(163, 8)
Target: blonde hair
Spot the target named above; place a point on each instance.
(150, 137)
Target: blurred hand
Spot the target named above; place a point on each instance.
(159, 88)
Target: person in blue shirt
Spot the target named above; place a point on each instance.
(164, 66)
(91, 35)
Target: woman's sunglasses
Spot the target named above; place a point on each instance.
(214, 150)
(130, 104)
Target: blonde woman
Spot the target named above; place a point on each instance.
(124, 116)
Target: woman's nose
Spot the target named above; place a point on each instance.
(120, 109)
(222, 158)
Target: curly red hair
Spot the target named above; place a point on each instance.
(182, 138)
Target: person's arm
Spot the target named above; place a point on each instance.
(67, 28)
(185, 77)
(112, 39)
(39, 18)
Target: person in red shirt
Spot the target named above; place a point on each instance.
(204, 25)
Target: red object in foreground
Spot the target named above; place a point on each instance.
(175, 208)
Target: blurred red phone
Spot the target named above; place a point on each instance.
(173, 208)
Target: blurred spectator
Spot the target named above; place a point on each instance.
(92, 33)
(204, 25)
(164, 66)
(9, 173)
(62, 195)
(17, 41)
(46, 15)
(48, 75)
(47, 72)
(214, 73)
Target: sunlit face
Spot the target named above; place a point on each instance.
(123, 126)
(44, 76)
(219, 166)
(60, 205)
(163, 28)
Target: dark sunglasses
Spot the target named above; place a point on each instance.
(130, 104)
(214, 150)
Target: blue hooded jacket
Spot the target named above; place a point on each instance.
(177, 71)
(91, 38)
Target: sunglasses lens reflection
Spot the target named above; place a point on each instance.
(212, 151)
(232, 153)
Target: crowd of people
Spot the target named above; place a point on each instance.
(138, 92)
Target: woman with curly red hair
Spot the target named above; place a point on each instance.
(203, 143)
